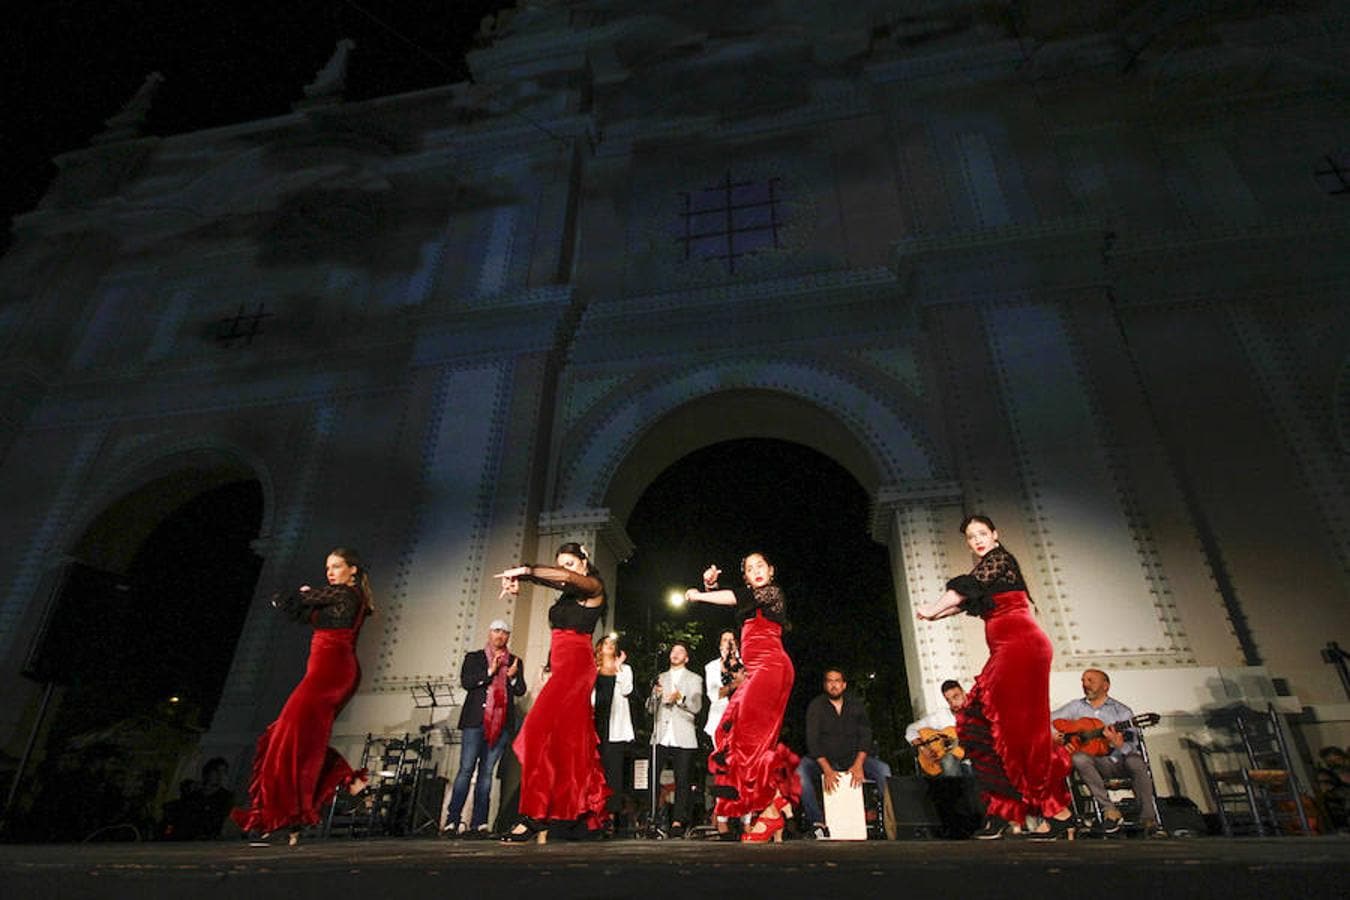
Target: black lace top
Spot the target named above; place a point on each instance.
(568, 612)
(329, 606)
(768, 600)
(996, 572)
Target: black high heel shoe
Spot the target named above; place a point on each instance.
(532, 830)
(994, 828)
(1055, 830)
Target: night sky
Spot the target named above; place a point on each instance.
(68, 65)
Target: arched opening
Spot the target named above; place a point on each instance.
(140, 635)
(810, 516)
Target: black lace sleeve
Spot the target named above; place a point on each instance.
(996, 572)
(329, 606)
(767, 600)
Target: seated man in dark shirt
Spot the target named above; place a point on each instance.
(838, 745)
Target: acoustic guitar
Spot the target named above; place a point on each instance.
(937, 743)
(1088, 735)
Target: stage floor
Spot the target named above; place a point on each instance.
(1302, 868)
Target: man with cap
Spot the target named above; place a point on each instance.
(493, 679)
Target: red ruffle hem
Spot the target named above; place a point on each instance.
(748, 762)
(295, 772)
(1005, 724)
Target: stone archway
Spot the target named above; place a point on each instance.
(151, 594)
(885, 448)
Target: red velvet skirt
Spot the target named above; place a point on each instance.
(1005, 724)
(748, 762)
(561, 777)
(295, 772)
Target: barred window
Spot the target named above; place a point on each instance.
(730, 220)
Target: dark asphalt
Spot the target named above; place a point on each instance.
(1301, 868)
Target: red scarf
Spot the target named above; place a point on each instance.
(494, 711)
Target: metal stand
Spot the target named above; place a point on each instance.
(653, 830)
(430, 697)
(27, 755)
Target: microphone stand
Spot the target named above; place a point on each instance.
(653, 773)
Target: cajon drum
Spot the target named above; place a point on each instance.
(845, 814)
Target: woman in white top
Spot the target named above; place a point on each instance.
(720, 677)
(613, 719)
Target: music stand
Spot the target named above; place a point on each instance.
(431, 697)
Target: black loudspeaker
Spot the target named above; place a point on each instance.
(430, 796)
(915, 815)
(86, 611)
(1181, 817)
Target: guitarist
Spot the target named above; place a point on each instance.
(953, 792)
(1122, 759)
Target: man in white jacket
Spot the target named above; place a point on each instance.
(676, 698)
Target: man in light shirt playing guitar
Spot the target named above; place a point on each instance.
(1107, 748)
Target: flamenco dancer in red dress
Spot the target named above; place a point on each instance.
(561, 776)
(754, 772)
(1005, 724)
(295, 772)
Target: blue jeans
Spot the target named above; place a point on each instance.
(809, 771)
(474, 751)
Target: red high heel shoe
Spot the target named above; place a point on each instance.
(773, 831)
(773, 826)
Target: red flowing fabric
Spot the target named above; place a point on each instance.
(748, 762)
(561, 777)
(295, 772)
(494, 709)
(1005, 724)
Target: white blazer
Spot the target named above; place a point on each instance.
(620, 717)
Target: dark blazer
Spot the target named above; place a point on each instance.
(473, 677)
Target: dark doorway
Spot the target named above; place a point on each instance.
(153, 654)
(810, 516)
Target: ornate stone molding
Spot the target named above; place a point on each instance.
(1043, 256)
(845, 283)
(892, 498)
(1059, 236)
(598, 521)
(1334, 228)
(895, 443)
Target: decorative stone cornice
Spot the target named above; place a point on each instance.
(1332, 229)
(1041, 256)
(1085, 234)
(890, 498)
(839, 281)
(599, 520)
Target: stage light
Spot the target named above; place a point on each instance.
(613, 636)
(173, 699)
(675, 599)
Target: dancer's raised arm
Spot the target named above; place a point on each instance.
(560, 579)
(711, 593)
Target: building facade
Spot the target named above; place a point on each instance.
(1076, 270)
